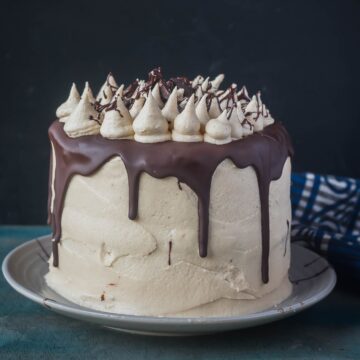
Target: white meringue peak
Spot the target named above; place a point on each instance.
(215, 84)
(150, 126)
(243, 95)
(251, 110)
(202, 112)
(111, 81)
(66, 108)
(214, 108)
(180, 94)
(187, 124)
(117, 123)
(107, 91)
(205, 85)
(235, 122)
(248, 128)
(137, 106)
(218, 130)
(156, 94)
(87, 91)
(119, 92)
(170, 110)
(228, 98)
(198, 92)
(83, 120)
(197, 81)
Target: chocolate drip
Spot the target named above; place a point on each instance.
(191, 163)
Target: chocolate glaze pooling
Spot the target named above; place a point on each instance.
(191, 163)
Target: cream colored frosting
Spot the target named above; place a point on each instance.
(241, 94)
(117, 123)
(248, 128)
(137, 106)
(251, 110)
(150, 126)
(214, 109)
(187, 124)
(205, 85)
(198, 92)
(107, 91)
(87, 90)
(215, 84)
(202, 113)
(218, 131)
(156, 94)
(65, 109)
(170, 111)
(225, 101)
(83, 120)
(105, 256)
(210, 102)
(197, 81)
(236, 117)
(119, 92)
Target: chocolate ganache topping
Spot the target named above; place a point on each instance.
(192, 163)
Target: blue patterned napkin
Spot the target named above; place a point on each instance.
(326, 218)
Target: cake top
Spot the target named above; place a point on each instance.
(158, 110)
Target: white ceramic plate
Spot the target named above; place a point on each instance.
(24, 269)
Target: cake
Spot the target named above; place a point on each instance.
(169, 198)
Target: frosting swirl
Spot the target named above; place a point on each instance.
(66, 108)
(170, 110)
(117, 123)
(187, 124)
(84, 120)
(150, 126)
(218, 130)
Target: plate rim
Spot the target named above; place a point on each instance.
(160, 320)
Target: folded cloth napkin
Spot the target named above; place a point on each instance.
(326, 218)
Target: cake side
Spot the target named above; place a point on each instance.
(151, 266)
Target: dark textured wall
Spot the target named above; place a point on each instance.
(303, 55)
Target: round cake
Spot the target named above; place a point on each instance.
(169, 198)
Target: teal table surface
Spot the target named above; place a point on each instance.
(329, 330)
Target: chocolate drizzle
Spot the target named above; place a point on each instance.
(191, 163)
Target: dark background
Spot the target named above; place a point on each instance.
(303, 55)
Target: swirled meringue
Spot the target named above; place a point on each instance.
(218, 131)
(205, 85)
(248, 128)
(251, 110)
(157, 96)
(243, 98)
(107, 91)
(150, 126)
(236, 117)
(202, 113)
(119, 92)
(170, 110)
(66, 108)
(117, 122)
(137, 106)
(83, 120)
(197, 81)
(214, 108)
(187, 124)
(228, 98)
(215, 84)
(87, 90)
